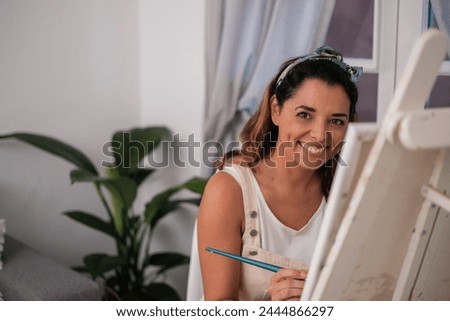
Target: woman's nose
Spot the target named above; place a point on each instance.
(318, 132)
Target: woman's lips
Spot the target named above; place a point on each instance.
(313, 148)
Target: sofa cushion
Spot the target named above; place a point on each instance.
(29, 275)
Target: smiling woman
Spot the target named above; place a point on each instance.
(266, 201)
(315, 118)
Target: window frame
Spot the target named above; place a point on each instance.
(384, 52)
(397, 24)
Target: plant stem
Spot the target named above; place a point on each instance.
(102, 198)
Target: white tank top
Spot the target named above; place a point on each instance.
(267, 239)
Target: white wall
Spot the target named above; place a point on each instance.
(172, 90)
(79, 70)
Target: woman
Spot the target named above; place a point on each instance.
(267, 201)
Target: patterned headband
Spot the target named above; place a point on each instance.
(324, 53)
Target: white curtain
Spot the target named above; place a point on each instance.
(441, 9)
(246, 42)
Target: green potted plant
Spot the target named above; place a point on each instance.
(132, 272)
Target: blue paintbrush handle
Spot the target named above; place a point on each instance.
(266, 266)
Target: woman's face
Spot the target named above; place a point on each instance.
(311, 124)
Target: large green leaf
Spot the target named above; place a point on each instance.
(140, 175)
(98, 263)
(123, 188)
(92, 263)
(161, 292)
(55, 147)
(193, 201)
(196, 185)
(158, 210)
(166, 260)
(123, 191)
(80, 269)
(91, 221)
(161, 205)
(131, 146)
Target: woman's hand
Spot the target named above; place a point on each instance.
(287, 285)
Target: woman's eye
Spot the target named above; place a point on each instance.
(304, 115)
(338, 122)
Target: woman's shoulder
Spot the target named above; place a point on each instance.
(222, 200)
(226, 184)
(224, 180)
(228, 181)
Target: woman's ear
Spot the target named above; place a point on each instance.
(274, 109)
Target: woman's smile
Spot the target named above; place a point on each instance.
(313, 148)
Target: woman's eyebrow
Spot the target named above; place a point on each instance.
(340, 115)
(311, 109)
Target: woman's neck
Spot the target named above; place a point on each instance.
(288, 172)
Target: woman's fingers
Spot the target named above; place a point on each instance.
(286, 289)
(290, 273)
(287, 284)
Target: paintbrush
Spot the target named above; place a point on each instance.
(260, 264)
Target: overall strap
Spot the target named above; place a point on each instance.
(251, 236)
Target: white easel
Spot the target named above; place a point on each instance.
(378, 225)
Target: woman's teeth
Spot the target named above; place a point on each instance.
(313, 149)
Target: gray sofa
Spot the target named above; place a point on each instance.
(29, 275)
